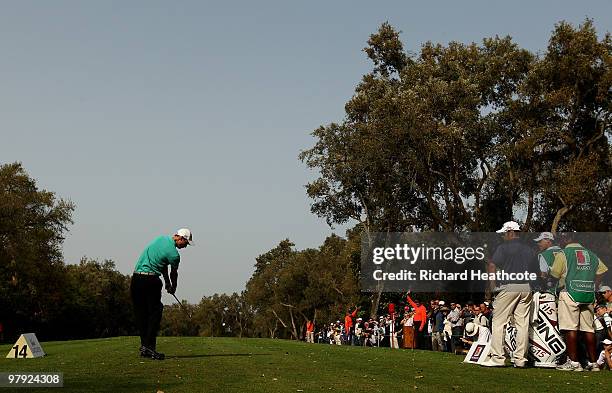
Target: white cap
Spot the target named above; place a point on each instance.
(441, 303)
(544, 235)
(604, 288)
(471, 329)
(509, 226)
(607, 341)
(185, 234)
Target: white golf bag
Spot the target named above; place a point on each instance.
(510, 340)
(545, 342)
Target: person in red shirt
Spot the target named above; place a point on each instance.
(310, 331)
(348, 325)
(420, 321)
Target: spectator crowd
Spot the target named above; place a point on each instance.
(438, 327)
(585, 319)
(447, 327)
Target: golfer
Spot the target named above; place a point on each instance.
(514, 298)
(146, 286)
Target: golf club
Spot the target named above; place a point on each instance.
(182, 306)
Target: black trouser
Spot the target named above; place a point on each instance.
(146, 297)
(419, 335)
(456, 342)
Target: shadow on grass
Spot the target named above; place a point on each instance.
(106, 385)
(214, 355)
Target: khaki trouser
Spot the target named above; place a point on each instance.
(310, 337)
(437, 343)
(574, 316)
(514, 301)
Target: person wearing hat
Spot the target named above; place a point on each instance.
(579, 271)
(514, 298)
(408, 317)
(481, 334)
(546, 257)
(605, 356)
(606, 293)
(146, 286)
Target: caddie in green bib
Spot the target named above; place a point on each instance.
(581, 270)
(546, 259)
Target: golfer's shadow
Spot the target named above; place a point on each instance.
(207, 355)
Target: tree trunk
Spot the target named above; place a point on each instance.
(279, 319)
(529, 211)
(240, 327)
(376, 301)
(560, 213)
(294, 330)
(273, 330)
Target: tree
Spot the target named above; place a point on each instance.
(465, 137)
(263, 290)
(290, 287)
(564, 116)
(32, 225)
(216, 315)
(96, 302)
(415, 151)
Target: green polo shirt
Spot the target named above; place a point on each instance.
(160, 253)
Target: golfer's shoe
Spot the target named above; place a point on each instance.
(493, 363)
(570, 366)
(591, 367)
(158, 356)
(152, 354)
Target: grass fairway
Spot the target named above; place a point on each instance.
(197, 364)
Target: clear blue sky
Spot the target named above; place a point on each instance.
(154, 115)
